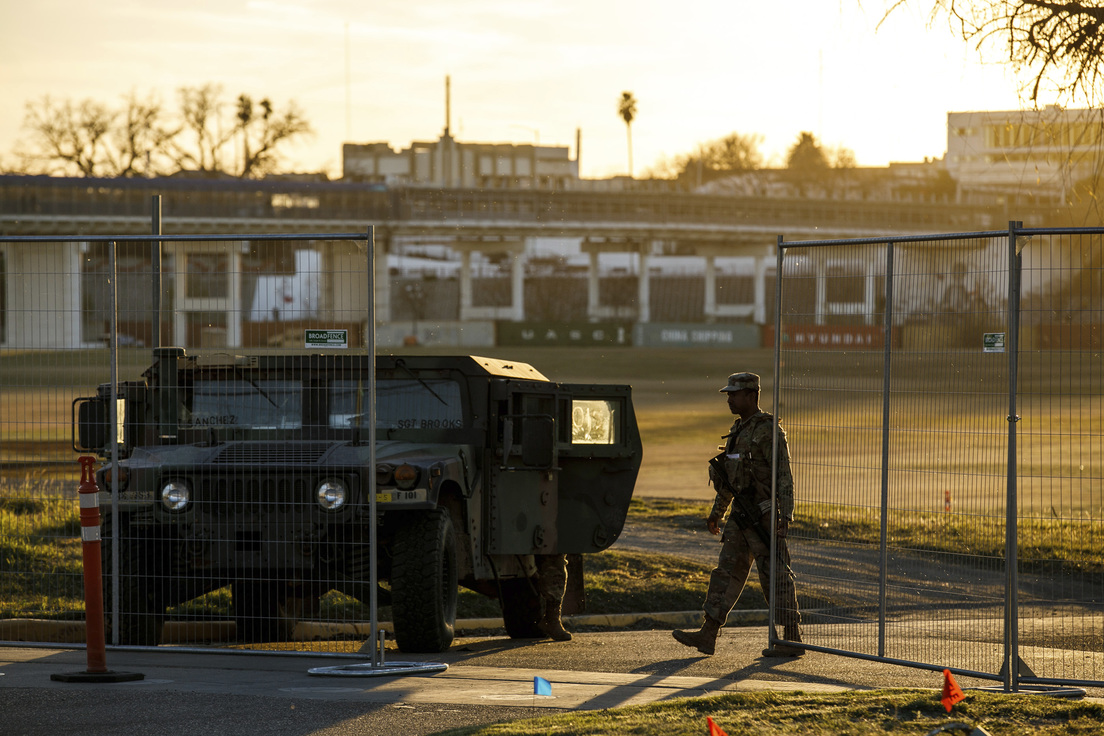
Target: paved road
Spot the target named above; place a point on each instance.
(487, 680)
(929, 586)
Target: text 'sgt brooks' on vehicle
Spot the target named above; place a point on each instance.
(253, 472)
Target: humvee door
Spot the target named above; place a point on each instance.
(599, 460)
(565, 464)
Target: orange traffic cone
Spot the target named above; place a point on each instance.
(714, 729)
(952, 693)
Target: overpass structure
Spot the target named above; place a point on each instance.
(497, 223)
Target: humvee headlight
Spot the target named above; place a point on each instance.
(124, 478)
(385, 474)
(175, 495)
(406, 476)
(331, 494)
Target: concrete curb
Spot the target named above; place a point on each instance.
(184, 632)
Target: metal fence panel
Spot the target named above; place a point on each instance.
(943, 398)
(900, 368)
(1060, 505)
(49, 356)
(213, 297)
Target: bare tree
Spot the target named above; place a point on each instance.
(1057, 42)
(733, 154)
(66, 137)
(262, 130)
(626, 108)
(141, 139)
(199, 108)
(841, 157)
(245, 117)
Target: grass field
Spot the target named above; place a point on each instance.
(947, 418)
(41, 556)
(948, 439)
(911, 712)
(42, 572)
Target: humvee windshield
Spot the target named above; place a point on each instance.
(261, 404)
(400, 404)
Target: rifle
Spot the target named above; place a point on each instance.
(744, 510)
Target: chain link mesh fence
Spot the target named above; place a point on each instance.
(232, 392)
(942, 401)
(83, 314)
(927, 429)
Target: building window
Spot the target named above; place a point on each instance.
(207, 276)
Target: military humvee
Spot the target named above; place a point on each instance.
(253, 471)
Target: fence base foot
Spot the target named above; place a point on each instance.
(108, 676)
(1055, 691)
(367, 669)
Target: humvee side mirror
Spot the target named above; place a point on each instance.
(92, 425)
(538, 441)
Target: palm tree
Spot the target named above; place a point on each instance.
(626, 107)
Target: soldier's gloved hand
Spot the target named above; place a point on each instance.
(783, 527)
(711, 523)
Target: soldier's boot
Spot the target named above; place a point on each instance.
(704, 639)
(551, 623)
(779, 649)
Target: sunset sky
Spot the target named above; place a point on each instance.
(523, 72)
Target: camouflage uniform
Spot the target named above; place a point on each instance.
(748, 465)
(551, 577)
(742, 477)
(551, 586)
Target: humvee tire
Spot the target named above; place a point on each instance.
(141, 608)
(424, 582)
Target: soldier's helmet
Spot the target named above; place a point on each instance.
(740, 381)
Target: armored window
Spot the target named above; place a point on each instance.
(245, 404)
(400, 404)
(595, 422)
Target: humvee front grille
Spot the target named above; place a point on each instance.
(255, 453)
(237, 495)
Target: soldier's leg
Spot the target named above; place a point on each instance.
(786, 610)
(551, 584)
(788, 614)
(552, 574)
(725, 584)
(727, 580)
(786, 603)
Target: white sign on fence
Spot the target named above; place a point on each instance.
(993, 342)
(326, 338)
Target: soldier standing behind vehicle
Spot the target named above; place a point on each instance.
(741, 476)
(552, 584)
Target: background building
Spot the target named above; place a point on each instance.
(1048, 156)
(449, 163)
